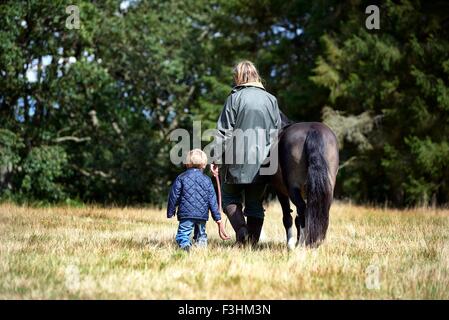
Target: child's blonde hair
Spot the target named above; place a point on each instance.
(196, 158)
(245, 71)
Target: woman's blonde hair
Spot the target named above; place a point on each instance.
(196, 158)
(245, 71)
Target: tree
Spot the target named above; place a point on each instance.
(103, 97)
(86, 113)
(399, 75)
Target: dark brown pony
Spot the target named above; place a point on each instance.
(308, 165)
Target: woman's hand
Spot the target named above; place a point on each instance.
(222, 231)
(214, 169)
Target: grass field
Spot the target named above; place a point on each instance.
(128, 253)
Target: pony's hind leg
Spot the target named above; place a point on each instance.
(300, 220)
(287, 219)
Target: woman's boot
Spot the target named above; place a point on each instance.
(254, 229)
(235, 216)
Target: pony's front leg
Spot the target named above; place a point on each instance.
(287, 220)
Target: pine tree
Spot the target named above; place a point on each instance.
(400, 75)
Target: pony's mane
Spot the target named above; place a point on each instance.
(286, 122)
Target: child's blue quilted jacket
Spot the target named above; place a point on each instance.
(193, 194)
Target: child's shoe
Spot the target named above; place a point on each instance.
(186, 248)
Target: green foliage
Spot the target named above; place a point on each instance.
(85, 115)
(10, 144)
(42, 168)
(96, 105)
(350, 129)
(396, 79)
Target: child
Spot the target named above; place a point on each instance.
(194, 195)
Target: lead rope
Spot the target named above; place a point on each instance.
(217, 180)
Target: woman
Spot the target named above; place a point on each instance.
(252, 110)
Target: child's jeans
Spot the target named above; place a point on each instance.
(185, 229)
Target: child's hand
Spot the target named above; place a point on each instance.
(169, 216)
(214, 169)
(222, 231)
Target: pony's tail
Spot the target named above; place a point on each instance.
(319, 190)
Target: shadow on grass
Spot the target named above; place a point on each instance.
(170, 244)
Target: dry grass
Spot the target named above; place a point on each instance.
(98, 253)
